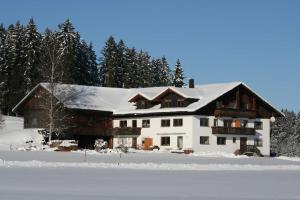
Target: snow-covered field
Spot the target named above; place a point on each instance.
(139, 175)
(55, 175)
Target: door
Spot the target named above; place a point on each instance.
(243, 142)
(179, 142)
(147, 143)
(134, 142)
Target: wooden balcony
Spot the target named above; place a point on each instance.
(233, 131)
(123, 131)
(231, 112)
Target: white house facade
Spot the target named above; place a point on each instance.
(192, 134)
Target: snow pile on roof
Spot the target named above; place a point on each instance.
(116, 100)
(13, 136)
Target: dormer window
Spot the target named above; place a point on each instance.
(180, 102)
(143, 104)
(167, 103)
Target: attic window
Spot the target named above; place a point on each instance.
(180, 102)
(167, 103)
(142, 104)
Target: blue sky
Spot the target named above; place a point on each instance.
(255, 41)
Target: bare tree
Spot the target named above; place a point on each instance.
(53, 101)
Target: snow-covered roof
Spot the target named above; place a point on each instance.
(116, 100)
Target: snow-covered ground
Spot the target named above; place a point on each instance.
(138, 175)
(14, 136)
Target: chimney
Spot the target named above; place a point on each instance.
(191, 83)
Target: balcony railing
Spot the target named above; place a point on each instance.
(231, 112)
(233, 130)
(123, 131)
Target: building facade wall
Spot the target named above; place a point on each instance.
(190, 131)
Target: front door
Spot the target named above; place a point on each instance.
(179, 142)
(243, 142)
(147, 143)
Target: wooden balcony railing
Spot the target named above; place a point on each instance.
(231, 112)
(233, 131)
(123, 131)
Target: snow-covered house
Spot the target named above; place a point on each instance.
(214, 117)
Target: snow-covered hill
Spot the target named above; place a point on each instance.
(14, 136)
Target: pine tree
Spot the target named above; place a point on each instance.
(109, 63)
(131, 69)
(178, 77)
(32, 45)
(80, 69)
(68, 41)
(94, 78)
(2, 65)
(144, 63)
(165, 72)
(13, 89)
(121, 64)
(285, 135)
(86, 67)
(156, 73)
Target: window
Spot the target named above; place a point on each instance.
(234, 140)
(221, 140)
(258, 125)
(244, 123)
(146, 123)
(227, 123)
(180, 103)
(258, 142)
(177, 122)
(134, 123)
(167, 103)
(142, 104)
(204, 140)
(165, 123)
(34, 121)
(123, 123)
(216, 122)
(204, 121)
(165, 141)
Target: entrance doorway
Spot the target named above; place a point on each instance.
(243, 142)
(147, 143)
(179, 142)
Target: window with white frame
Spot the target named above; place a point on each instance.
(258, 125)
(204, 140)
(258, 142)
(204, 122)
(146, 123)
(221, 140)
(177, 122)
(165, 141)
(165, 123)
(123, 123)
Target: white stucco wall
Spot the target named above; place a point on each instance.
(191, 132)
(155, 131)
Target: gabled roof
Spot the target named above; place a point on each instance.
(116, 100)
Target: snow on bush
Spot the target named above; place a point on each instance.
(100, 144)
